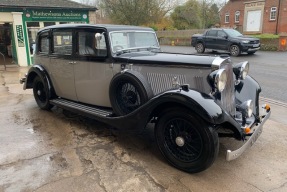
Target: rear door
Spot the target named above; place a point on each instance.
(93, 70)
(62, 63)
(210, 39)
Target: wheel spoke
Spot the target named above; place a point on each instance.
(192, 147)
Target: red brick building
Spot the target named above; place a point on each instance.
(255, 16)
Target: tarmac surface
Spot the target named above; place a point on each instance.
(49, 151)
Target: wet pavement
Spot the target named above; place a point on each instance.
(49, 151)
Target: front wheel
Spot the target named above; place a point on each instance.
(235, 50)
(41, 93)
(186, 141)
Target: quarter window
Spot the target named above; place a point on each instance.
(273, 13)
(62, 42)
(237, 14)
(226, 17)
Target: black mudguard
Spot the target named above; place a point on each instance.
(38, 70)
(199, 103)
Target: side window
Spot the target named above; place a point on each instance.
(221, 34)
(44, 43)
(92, 44)
(211, 33)
(62, 42)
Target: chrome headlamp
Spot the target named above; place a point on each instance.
(241, 70)
(217, 80)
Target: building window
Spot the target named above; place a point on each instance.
(237, 14)
(273, 13)
(226, 17)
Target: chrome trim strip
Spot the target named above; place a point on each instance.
(231, 155)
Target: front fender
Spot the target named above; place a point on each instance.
(199, 103)
(38, 70)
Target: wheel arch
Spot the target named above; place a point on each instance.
(201, 105)
(39, 70)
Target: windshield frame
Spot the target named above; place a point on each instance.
(131, 48)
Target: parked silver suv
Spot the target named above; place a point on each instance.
(118, 75)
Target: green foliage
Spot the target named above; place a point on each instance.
(186, 16)
(195, 15)
(135, 12)
(266, 36)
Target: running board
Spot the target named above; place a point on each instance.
(81, 108)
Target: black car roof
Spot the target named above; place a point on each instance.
(108, 27)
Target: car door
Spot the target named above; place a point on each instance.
(222, 40)
(210, 39)
(62, 63)
(93, 71)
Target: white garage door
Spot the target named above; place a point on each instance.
(253, 20)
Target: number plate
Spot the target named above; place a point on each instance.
(256, 45)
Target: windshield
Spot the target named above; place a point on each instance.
(232, 33)
(122, 40)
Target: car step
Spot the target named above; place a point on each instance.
(79, 107)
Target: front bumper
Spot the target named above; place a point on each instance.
(231, 155)
(250, 47)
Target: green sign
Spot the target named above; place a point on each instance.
(56, 15)
(20, 36)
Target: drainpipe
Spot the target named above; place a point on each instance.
(278, 14)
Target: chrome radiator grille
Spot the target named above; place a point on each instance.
(163, 82)
(228, 94)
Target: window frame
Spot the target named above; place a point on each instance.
(225, 18)
(90, 30)
(44, 34)
(236, 16)
(273, 10)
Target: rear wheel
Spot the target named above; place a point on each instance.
(41, 93)
(235, 50)
(186, 141)
(200, 48)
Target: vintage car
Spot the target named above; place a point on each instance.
(118, 75)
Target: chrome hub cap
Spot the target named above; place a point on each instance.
(179, 141)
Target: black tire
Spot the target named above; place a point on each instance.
(199, 47)
(234, 50)
(128, 91)
(186, 141)
(41, 93)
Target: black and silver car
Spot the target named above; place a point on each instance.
(118, 75)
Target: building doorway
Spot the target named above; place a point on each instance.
(7, 44)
